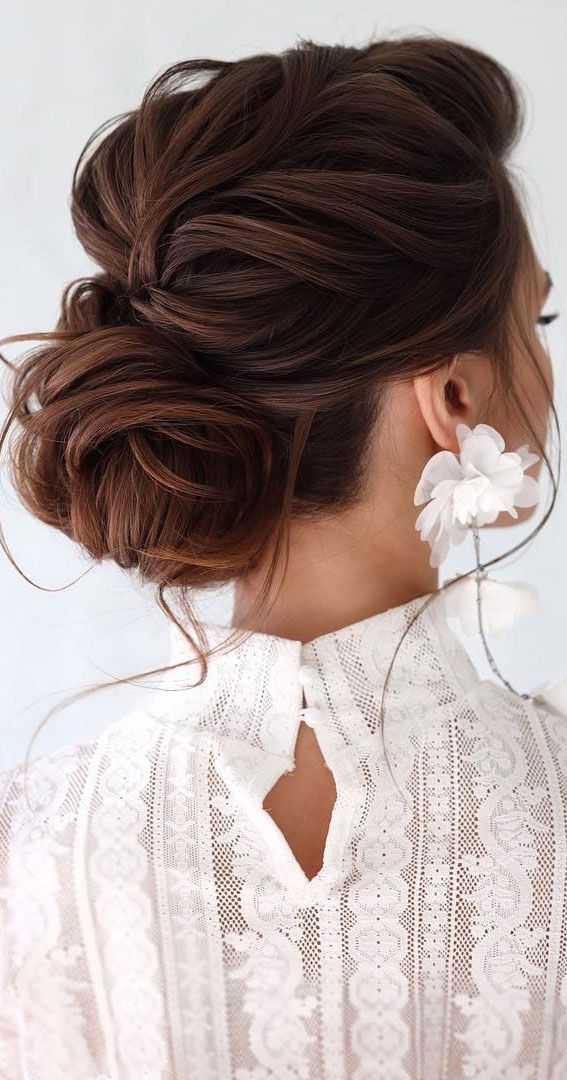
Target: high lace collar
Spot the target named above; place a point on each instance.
(254, 691)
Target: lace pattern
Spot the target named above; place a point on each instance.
(154, 922)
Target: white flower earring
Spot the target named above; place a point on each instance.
(466, 491)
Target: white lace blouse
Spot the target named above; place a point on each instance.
(154, 922)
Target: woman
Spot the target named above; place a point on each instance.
(337, 852)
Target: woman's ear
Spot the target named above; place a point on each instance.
(453, 395)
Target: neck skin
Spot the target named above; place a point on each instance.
(368, 560)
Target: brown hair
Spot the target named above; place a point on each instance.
(277, 243)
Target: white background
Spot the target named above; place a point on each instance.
(65, 69)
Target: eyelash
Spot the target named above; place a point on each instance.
(545, 320)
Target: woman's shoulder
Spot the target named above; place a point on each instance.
(536, 723)
(66, 766)
(51, 786)
(41, 785)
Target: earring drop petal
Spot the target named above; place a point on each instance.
(528, 495)
(504, 602)
(526, 458)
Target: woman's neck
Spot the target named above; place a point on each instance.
(339, 573)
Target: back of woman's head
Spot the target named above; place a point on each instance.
(277, 241)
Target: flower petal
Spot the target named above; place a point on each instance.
(502, 603)
(444, 489)
(491, 433)
(440, 549)
(457, 533)
(527, 459)
(508, 473)
(428, 519)
(480, 452)
(441, 466)
(528, 495)
(434, 523)
(493, 500)
(462, 431)
(466, 499)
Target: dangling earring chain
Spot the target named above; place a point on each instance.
(480, 575)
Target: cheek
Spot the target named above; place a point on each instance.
(535, 389)
(540, 390)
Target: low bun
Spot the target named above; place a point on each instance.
(135, 454)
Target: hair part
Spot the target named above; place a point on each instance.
(280, 238)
